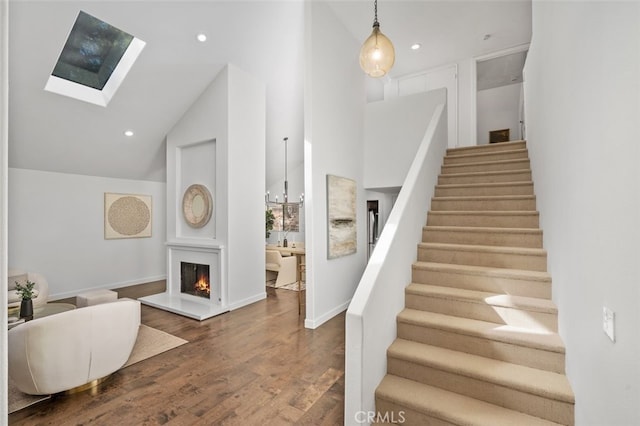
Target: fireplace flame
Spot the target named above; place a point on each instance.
(202, 285)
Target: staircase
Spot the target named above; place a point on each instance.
(477, 341)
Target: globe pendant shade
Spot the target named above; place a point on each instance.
(377, 54)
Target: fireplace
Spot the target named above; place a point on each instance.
(194, 279)
(194, 282)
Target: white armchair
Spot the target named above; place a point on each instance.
(41, 288)
(70, 349)
(284, 266)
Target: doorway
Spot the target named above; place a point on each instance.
(372, 226)
(498, 96)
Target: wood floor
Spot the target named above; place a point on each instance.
(257, 365)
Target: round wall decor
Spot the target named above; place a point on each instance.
(197, 205)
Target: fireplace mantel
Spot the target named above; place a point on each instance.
(194, 244)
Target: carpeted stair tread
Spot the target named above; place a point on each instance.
(483, 229)
(485, 198)
(451, 168)
(485, 212)
(489, 173)
(521, 336)
(480, 153)
(503, 146)
(533, 381)
(451, 407)
(485, 185)
(473, 296)
(485, 271)
(526, 251)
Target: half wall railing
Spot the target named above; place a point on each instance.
(371, 316)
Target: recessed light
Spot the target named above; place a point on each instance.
(416, 46)
(201, 37)
(128, 133)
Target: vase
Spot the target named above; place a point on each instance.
(26, 309)
(284, 243)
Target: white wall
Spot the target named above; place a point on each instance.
(56, 227)
(246, 187)
(334, 117)
(231, 111)
(394, 129)
(4, 135)
(497, 109)
(582, 92)
(437, 78)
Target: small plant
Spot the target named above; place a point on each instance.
(25, 291)
(269, 220)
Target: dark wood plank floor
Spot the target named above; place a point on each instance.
(257, 365)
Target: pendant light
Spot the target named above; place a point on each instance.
(377, 54)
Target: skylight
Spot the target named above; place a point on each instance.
(94, 61)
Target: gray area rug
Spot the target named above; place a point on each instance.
(150, 342)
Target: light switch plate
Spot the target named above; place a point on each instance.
(608, 323)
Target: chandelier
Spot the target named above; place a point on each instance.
(285, 195)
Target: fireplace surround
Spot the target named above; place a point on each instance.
(188, 265)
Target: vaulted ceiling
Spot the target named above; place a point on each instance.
(265, 38)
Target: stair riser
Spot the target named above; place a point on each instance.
(491, 238)
(535, 405)
(480, 258)
(483, 205)
(488, 283)
(485, 178)
(494, 147)
(411, 417)
(484, 220)
(533, 320)
(485, 157)
(513, 353)
(478, 191)
(488, 167)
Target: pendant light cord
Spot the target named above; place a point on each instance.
(375, 12)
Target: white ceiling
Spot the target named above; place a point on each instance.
(500, 71)
(265, 38)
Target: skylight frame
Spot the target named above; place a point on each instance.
(94, 96)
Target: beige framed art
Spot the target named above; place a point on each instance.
(341, 216)
(127, 216)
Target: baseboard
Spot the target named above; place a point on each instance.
(253, 299)
(317, 322)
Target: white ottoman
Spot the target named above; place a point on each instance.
(95, 297)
